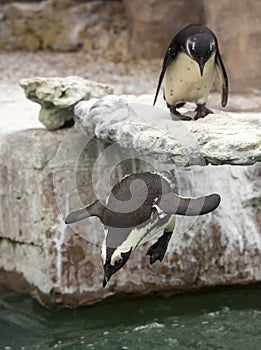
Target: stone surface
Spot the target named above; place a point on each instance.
(62, 266)
(220, 138)
(44, 175)
(64, 25)
(33, 26)
(239, 35)
(58, 96)
(35, 244)
(152, 23)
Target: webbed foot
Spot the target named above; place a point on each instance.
(158, 249)
(201, 111)
(175, 115)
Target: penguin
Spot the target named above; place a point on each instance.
(139, 207)
(188, 71)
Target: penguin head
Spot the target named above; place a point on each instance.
(113, 260)
(200, 47)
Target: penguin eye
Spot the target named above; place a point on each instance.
(119, 261)
(193, 51)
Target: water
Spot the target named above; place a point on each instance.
(209, 320)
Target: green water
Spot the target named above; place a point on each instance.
(209, 320)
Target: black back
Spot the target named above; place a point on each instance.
(131, 200)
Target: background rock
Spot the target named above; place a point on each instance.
(33, 26)
(239, 34)
(63, 25)
(58, 96)
(152, 23)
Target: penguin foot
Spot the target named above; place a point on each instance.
(175, 115)
(201, 111)
(158, 249)
(179, 116)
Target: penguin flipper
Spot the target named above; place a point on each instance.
(171, 203)
(167, 59)
(94, 209)
(224, 79)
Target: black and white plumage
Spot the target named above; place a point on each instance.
(189, 68)
(139, 207)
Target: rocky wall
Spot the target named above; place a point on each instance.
(64, 25)
(45, 174)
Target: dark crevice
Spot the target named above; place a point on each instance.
(14, 242)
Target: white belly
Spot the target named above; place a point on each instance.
(183, 82)
(140, 236)
(153, 232)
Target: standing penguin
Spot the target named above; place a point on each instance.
(189, 69)
(139, 207)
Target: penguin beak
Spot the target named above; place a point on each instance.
(109, 269)
(201, 63)
(105, 281)
(108, 272)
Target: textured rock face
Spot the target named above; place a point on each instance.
(40, 20)
(63, 25)
(44, 175)
(152, 24)
(220, 138)
(35, 245)
(239, 34)
(58, 96)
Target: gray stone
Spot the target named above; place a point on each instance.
(64, 25)
(34, 241)
(44, 175)
(239, 35)
(220, 138)
(51, 24)
(153, 23)
(58, 96)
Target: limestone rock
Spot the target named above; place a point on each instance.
(36, 246)
(220, 138)
(152, 24)
(60, 265)
(44, 175)
(33, 26)
(239, 35)
(65, 25)
(58, 96)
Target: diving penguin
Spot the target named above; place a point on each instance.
(139, 207)
(188, 71)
